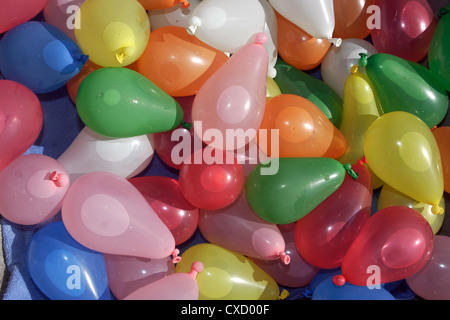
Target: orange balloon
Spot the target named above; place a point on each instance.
(162, 4)
(177, 62)
(298, 48)
(442, 137)
(351, 18)
(74, 83)
(303, 129)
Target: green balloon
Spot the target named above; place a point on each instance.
(403, 85)
(439, 51)
(122, 103)
(294, 81)
(299, 185)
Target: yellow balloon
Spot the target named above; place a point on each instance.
(390, 197)
(272, 89)
(400, 149)
(113, 33)
(227, 275)
(360, 109)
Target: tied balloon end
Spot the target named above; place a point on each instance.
(336, 41)
(82, 59)
(195, 269)
(362, 161)
(123, 52)
(194, 23)
(437, 210)
(443, 11)
(362, 62)
(283, 295)
(186, 125)
(175, 256)
(338, 280)
(350, 171)
(185, 4)
(261, 38)
(285, 258)
(354, 69)
(59, 179)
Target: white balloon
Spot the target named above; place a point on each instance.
(90, 152)
(174, 16)
(315, 17)
(271, 29)
(338, 62)
(227, 25)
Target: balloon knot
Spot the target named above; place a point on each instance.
(362, 161)
(185, 4)
(283, 295)
(175, 256)
(285, 258)
(354, 69)
(363, 60)
(194, 23)
(59, 179)
(437, 210)
(434, 128)
(350, 171)
(336, 41)
(443, 11)
(196, 268)
(186, 125)
(261, 38)
(338, 280)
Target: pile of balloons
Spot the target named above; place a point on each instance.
(277, 169)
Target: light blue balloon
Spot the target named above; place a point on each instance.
(63, 269)
(327, 290)
(39, 56)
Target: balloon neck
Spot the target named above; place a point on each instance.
(354, 69)
(283, 295)
(350, 171)
(175, 256)
(285, 258)
(434, 128)
(362, 161)
(185, 4)
(362, 60)
(194, 23)
(261, 38)
(437, 210)
(186, 125)
(195, 269)
(336, 41)
(82, 58)
(59, 179)
(444, 11)
(338, 280)
(123, 52)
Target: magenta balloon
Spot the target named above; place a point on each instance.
(234, 97)
(21, 120)
(32, 189)
(15, 12)
(106, 213)
(164, 196)
(298, 273)
(392, 245)
(178, 286)
(325, 234)
(237, 228)
(127, 274)
(406, 28)
(432, 282)
(61, 14)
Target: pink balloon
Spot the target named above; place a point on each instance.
(239, 229)
(164, 196)
(106, 213)
(298, 273)
(15, 12)
(32, 189)
(406, 28)
(234, 97)
(61, 14)
(178, 286)
(21, 120)
(393, 244)
(127, 274)
(432, 281)
(325, 234)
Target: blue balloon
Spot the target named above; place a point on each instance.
(63, 269)
(327, 290)
(39, 56)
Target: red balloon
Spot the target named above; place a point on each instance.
(164, 196)
(212, 180)
(21, 120)
(324, 235)
(406, 28)
(15, 12)
(395, 243)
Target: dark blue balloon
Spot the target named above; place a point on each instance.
(327, 290)
(39, 56)
(63, 269)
